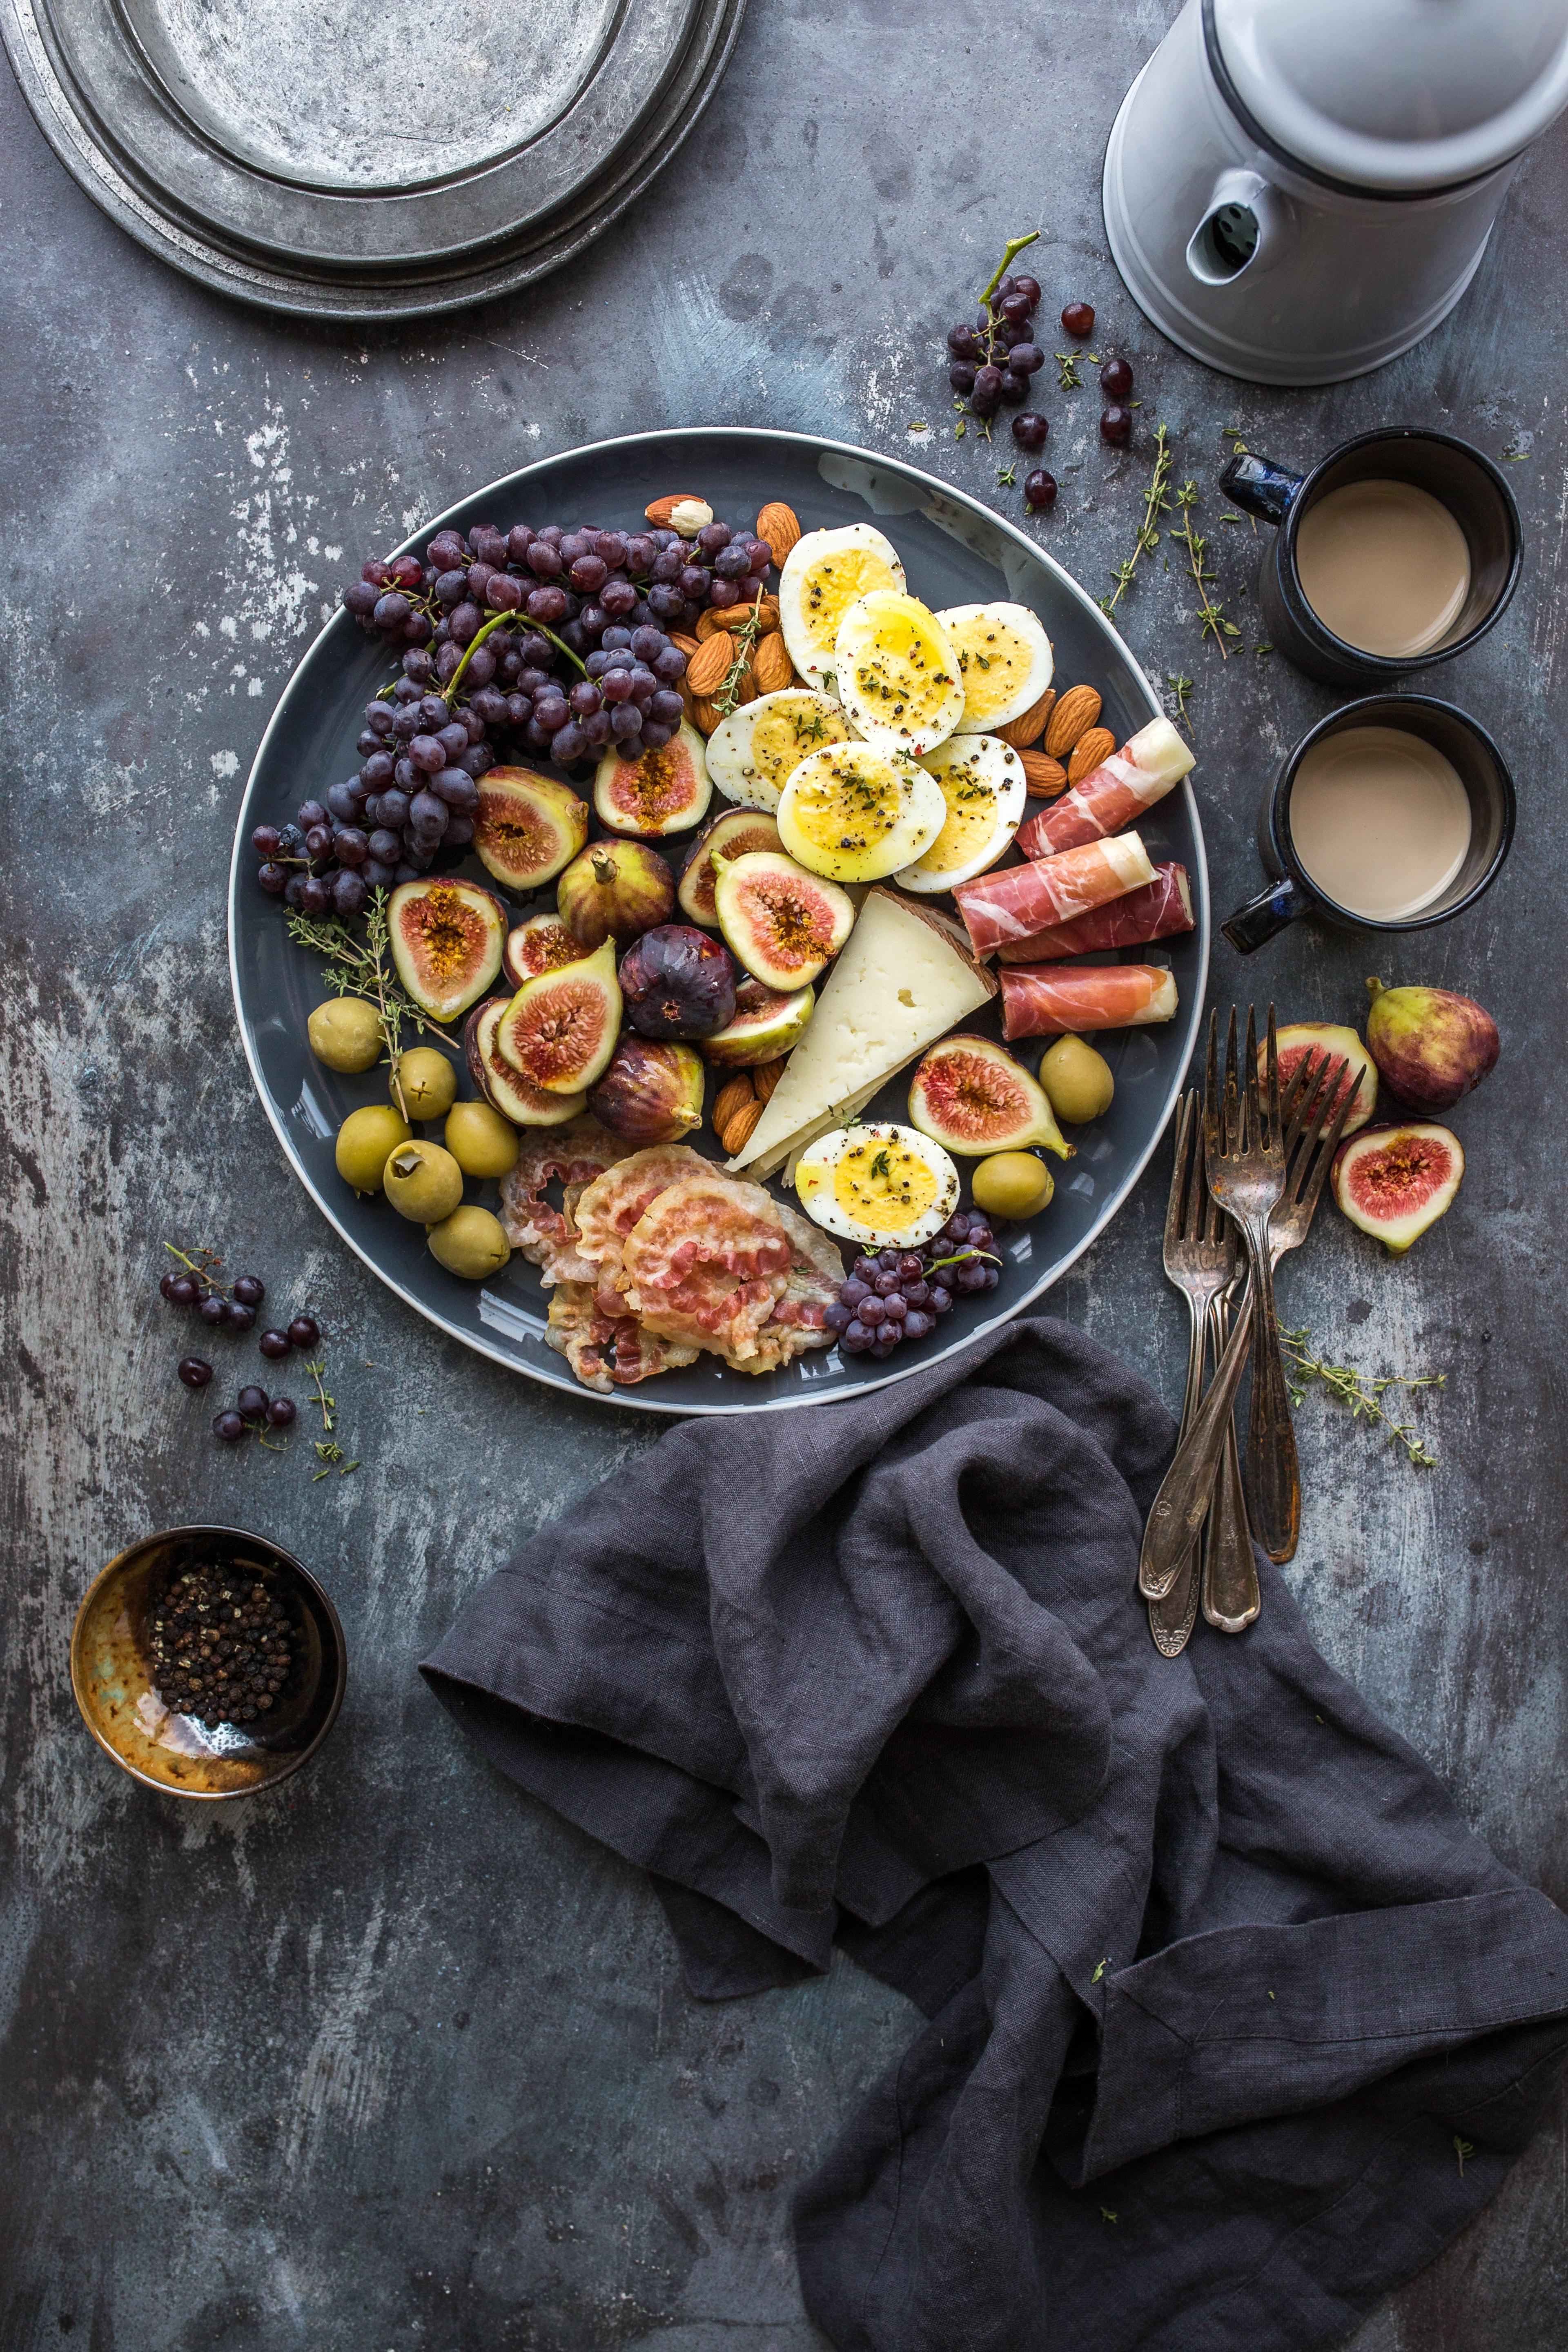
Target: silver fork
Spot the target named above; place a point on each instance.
(1254, 1168)
(1244, 1135)
(1201, 1257)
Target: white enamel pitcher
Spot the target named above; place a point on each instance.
(1299, 190)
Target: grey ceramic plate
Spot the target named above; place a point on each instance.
(955, 553)
(333, 160)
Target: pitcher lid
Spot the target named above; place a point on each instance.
(1394, 95)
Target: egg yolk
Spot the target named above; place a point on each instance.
(883, 1185)
(971, 821)
(995, 663)
(782, 737)
(835, 583)
(850, 804)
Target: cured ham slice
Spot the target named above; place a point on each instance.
(1041, 1001)
(707, 1262)
(1016, 901)
(572, 1155)
(1161, 910)
(607, 1351)
(605, 1210)
(1148, 766)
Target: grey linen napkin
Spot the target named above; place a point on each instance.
(1215, 1975)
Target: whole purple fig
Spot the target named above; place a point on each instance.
(679, 981)
(1431, 1045)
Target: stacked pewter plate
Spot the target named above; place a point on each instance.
(326, 160)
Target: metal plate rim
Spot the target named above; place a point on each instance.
(633, 1400)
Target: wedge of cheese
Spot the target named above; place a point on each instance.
(902, 981)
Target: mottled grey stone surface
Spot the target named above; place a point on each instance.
(392, 2059)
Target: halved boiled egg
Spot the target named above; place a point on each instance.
(896, 672)
(752, 753)
(824, 574)
(856, 812)
(1004, 658)
(877, 1184)
(982, 781)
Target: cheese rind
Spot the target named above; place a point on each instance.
(901, 983)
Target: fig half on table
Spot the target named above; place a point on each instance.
(1395, 1181)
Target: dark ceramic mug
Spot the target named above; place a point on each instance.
(1489, 787)
(1459, 478)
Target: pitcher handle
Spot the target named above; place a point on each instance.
(1260, 486)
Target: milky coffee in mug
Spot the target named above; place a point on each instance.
(1384, 565)
(1381, 821)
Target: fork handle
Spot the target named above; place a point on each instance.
(1272, 1473)
(1184, 1498)
(1171, 1620)
(1230, 1595)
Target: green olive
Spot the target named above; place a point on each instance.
(428, 1081)
(480, 1141)
(471, 1242)
(365, 1140)
(1078, 1081)
(423, 1183)
(345, 1034)
(1012, 1184)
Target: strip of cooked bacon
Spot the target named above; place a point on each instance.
(706, 1262)
(573, 1154)
(1042, 1001)
(1016, 901)
(816, 1274)
(1148, 766)
(606, 1210)
(1158, 911)
(607, 1351)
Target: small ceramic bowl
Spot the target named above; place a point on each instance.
(177, 1753)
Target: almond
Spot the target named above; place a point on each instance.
(738, 1133)
(683, 513)
(774, 668)
(709, 666)
(736, 616)
(766, 1075)
(688, 699)
(1089, 751)
(705, 715)
(688, 646)
(1075, 713)
(660, 511)
(1044, 777)
(777, 524)
(732, 1095)
(1021, 732)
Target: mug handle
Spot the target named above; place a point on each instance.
(1260, 486)
(1259, 919)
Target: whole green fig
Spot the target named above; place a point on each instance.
(1431, 1045)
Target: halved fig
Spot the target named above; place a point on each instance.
(973, 1096)
(659, 791)
(541, 944)
(1327, 1038)
(652, 1091)
(527, 827)
(766, 1024)
(447, 938)
(525, 1104)
(560, 1029)
(614, 890)
(736, 834)
(1395, 1181)
(783, 923)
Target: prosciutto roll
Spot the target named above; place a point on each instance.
(1039, 1002)
(1019, 900)
(1158, 911)
(1152, 763)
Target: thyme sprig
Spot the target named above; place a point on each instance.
(1180, 688)
(331, 1456)
(354, 969)
(1212, 621)
(1362, 1396)
(1068, 376)
(728, 695)
(1155, 504)
(328, 1404)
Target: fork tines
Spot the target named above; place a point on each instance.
(1245, 1113)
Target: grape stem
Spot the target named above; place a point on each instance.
(1014, 245)
(496, 622)
(963, 1258)
(202, 1271)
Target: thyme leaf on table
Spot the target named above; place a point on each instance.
(1364, 1397)
(1155, 504)
(1212, 621)
(362, 967)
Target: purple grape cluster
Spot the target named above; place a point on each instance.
(550, 641)
(895, 1295)
(992, 362)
